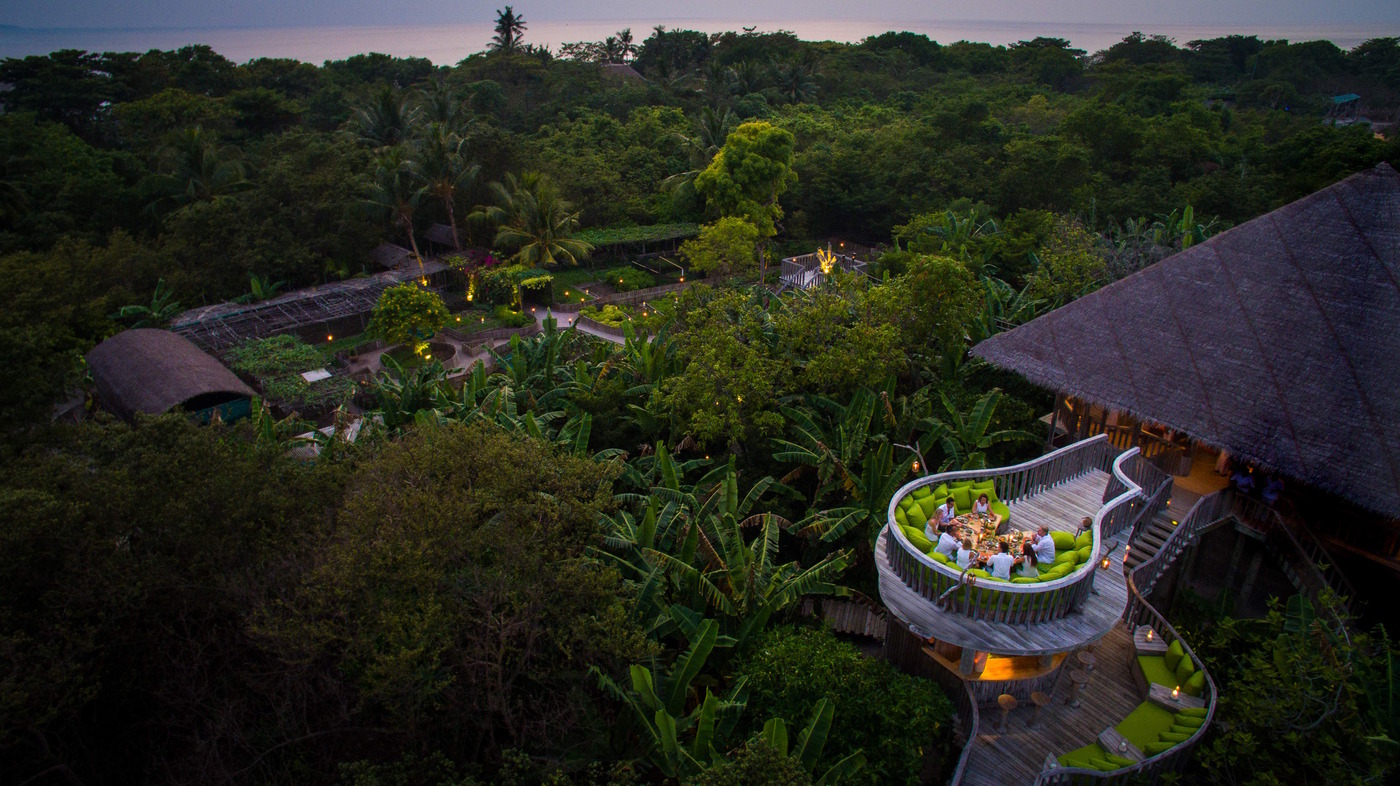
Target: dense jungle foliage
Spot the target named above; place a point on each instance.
(584, 566)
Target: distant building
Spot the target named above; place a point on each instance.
(152, 371)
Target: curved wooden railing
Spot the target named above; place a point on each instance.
(957, 592)
(1206, 513)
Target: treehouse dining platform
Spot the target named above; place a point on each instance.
(1051, 683)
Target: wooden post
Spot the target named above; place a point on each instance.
(968, 663)
(1250, 575)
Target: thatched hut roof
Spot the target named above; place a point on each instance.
(1278, 341)
(621, 71)
(388, 255)
(441, 234)
(153, 371)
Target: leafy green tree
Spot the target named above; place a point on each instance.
(533, 219)
(157, 313)
(724, 247)
(389, 119)
(396, 192)
(408, 314)
(194, 168)
(1070, 265)
(447, 170)
(750, 172)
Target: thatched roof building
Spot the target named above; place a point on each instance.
(153, 371)
(388, 255)
(621, 72)
(1278, 341)
(441, 235)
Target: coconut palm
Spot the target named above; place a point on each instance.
(443, 104)
(532, 218)
(510, 31)
(443, 164)
(396, 191)
(387, 120)
(194, 168)
(709, 130)
(796, 81)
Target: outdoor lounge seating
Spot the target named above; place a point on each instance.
(1172, 669)
(1149, 728)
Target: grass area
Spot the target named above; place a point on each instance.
(345, 344)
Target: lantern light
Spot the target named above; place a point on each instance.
(1149, 634)
(1104, 564)
(1176, 693)
(329, 337)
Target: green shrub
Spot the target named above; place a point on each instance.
(277, 363)
(755, 764)
(509, 317)
(628, 279)
(408, 314)
(609, 315)
(893, 717)
(538, 289)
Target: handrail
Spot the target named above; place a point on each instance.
(1020, 603)
(1205, 513)
(1322, 567)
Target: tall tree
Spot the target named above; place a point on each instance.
(510, 31)
(387, 120)
(445, 168)
(194, 168)
(396, 191)
(533, 219)
(749, 174)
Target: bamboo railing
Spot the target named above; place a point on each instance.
(957, 592)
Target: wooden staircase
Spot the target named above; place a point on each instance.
(1148, 539)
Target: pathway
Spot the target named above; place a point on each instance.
(567, 319)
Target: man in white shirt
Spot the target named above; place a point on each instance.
(1044, 546)
(947, 512)
(1001, 563)
(948, 542)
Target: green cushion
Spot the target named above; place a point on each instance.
(1024, 580)
(1103, 765)
(907, 504)
(940, 558)
(1063, 541)
(1057, 572)
(1001, 509)
(917, 538)
(900, 518)
(962, 498)
(1085, 539)
(1187, 730)
(980, 573)
(1194, 712)
(1075, 762)
(1144, 724)
(941, 491)
(984, 487)
(1080, 757)
(1154, 669)
(1184, 670)
(961, 484)
(1084, 553)
(1173, 656)
(1172, 736)
(1195, 685)
(921, 492)
(1189, 721)
(1121, 761)
(1154, 748)
(1070, 558)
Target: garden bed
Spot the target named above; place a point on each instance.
(408, 359)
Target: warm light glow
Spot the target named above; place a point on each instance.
(1149, 634)
(916, 466)
(427, 357)
(423, 281)
(459, 319)
(1104, 564)
(1176, 693)
(682, 279)
(329, 337)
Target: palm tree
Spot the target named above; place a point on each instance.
(531, 217)
(444, 167)
(443, 104)
(395, 192)
(797, 82)
(965, 439)
(624, 39)
(744, 77)
(510, 31)
(194, 168)
(710, 128)
(388, 119)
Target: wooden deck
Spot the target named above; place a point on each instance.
(1061, 508)
(1018, 756)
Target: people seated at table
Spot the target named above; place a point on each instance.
(983, 507)
(1029, 563)
(967, 556)
(947, 541)
(1001, 562)
(947, 513)
(1044, 545)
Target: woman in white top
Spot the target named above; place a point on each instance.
(966, 555)
(983, 507)
(1029, 568)
(1001, 563)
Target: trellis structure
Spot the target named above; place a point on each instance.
(328, 306)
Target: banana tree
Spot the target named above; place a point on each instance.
(834, 448)
(810, 742)
(965, 439)
(879, 478)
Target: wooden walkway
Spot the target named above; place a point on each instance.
(1018, 756)
(1061, 508)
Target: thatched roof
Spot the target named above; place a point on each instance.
(622, 71)
(441, 234)
(388, 255)
(154, 371)
(1278, 341)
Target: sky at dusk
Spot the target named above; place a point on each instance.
(281, 13)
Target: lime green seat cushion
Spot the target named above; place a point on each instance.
(917, 538)
(921, 492)
(961, 484)
(1154, 748)
(1063, 541)
(1085, 538)
(1187, 730)
(1194, 712)
(1188, 721)
(962, 499)
(980, 573)
(900, 517)
(1154, 668)
(1174, 736)
(1080, 757)
(1001, 509)
(1057, 572)
(1024, 580)
(1195, 685)
(1173, 656)
(1144, 724)
(940, 558)
(1084, 553)
(1184, 670)
(1070, 558)
(941, 491)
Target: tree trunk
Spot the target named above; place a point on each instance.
(407, 225)
(452, 219)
